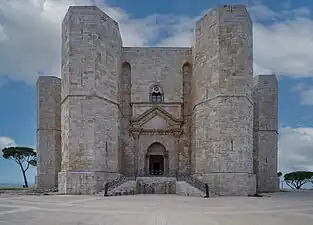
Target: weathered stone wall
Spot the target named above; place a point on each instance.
(222, 105)
(126, 147)
(168, 141)
(163, 67)
(83, 182)
(185, 150)
(129, 187)
(48, 131)
(265, 97)
(91, 65)
(205, 121)
(185, 189)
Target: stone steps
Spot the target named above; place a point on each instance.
(118, 193)
(155, 185)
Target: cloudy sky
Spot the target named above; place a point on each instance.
(283, 44)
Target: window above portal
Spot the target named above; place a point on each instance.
(156, 95)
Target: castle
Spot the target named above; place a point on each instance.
(157, 111)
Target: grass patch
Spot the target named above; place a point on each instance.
(17, 188)
(13, 188)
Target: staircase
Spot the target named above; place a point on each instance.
(118, 183)
(180, 184)
(195, 184)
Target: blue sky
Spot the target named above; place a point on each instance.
(283, 44)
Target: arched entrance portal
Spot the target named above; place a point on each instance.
(156, 160)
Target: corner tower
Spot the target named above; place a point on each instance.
(48, 131)
(265, 98)
(91, 51)
(222, 102)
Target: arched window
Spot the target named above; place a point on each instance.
(156, 95)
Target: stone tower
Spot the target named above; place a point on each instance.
(48, 131)
(222, 101)
(133, 114)
(265, 98)
(91, 52)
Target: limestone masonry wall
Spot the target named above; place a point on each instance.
(265, 96)
(91, 47)
(126, 147)
(214, 120)
(48, 131)
(222, 104)
(161, 66)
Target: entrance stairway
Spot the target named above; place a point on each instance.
(180, 184)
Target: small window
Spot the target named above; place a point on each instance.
(156, 95)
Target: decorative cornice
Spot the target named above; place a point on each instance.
(171, 131)
(159, 111)
(158, 104)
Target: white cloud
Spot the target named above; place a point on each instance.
(283, 41)
(6, 142)
(260, 12)
(305, 92)
(30, 34)
(295, 149)
(283, 46)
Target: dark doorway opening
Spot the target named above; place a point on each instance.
(156, 165)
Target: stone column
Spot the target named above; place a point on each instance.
(136, 135)
(178, 145)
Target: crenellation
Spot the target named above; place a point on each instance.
(141, 111)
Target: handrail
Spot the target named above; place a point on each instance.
(115, 183)
(188, 178)
(194, 182)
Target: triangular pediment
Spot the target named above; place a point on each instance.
(156, 118)
(156, 122)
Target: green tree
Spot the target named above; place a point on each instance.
(23, 156)
(297, 179)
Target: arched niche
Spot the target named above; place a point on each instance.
(126, 68)
(156, 94)
(187, 68)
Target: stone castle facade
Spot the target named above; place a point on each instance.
(157, 111)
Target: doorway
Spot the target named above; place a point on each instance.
(156, 165)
